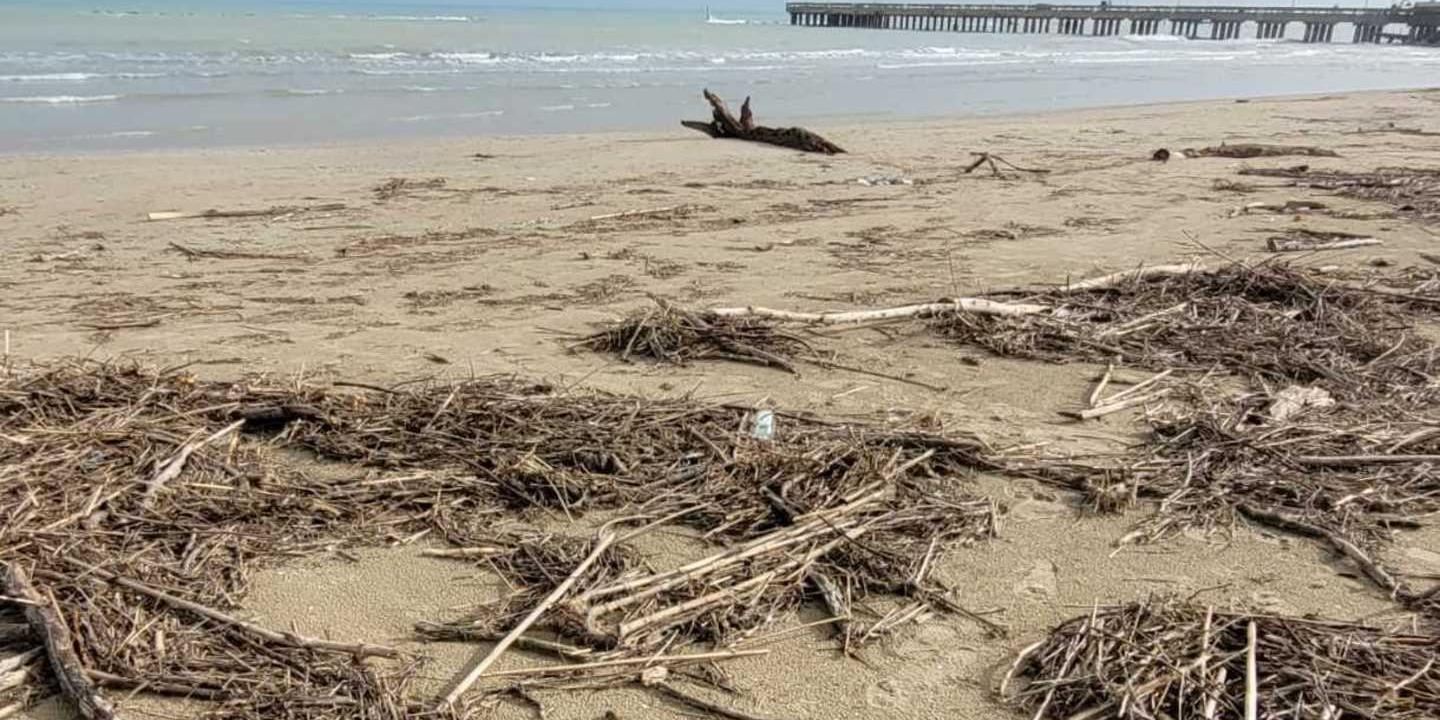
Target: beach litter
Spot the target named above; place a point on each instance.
(882, 181)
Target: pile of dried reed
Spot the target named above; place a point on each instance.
(136, 505)
(1271, 322)
(1337, 437)
(1412, 191)
(671, 334)
(1166, 659)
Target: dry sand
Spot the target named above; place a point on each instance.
(497, 269)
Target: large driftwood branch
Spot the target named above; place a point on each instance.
(1143, 273)
(1280, 244)
(979, 306)
(46, 622)
(1254, 150)
(724, 125)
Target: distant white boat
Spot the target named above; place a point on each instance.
(711, 19)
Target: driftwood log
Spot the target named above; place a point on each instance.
(724, 125)
(1254, 150)
(48, 624)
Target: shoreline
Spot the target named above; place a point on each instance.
(842, 124)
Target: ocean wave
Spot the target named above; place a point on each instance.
(68, 67)
(394, 18)
(119, 135)
(303, 92)
(60, 99)
(1154, 38)
(449, 116)
(66, 77)
(423, 18)
(50, 77)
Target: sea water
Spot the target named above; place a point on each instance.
(170, 73)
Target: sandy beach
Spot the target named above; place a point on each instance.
(492, 255)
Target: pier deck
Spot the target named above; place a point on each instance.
(1421, 22)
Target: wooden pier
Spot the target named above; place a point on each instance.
(1417, 24)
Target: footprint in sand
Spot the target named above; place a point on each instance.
(1268, 602)
(1040, 582)
(886, 695)
(1034, 509)
(1428, 558)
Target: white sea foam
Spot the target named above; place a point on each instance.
(305, 92)
(50, 77)
(119, 135)
(60, 99)
(449, 116)
(69, 77)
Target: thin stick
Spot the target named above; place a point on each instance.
(1100, 386)
(1373, 571)
(647, 660)
(1133, 389)
(462, 553)
(1020, 660)
(670, 691)
(874, 373)
(979, 306)
(524, 642)
(635, 213)
(47, 623)
(1356, 460)
(288, 639)
(177, 463)
(1252, 682)
(1104, 410)
(602, 542)
(1204, 663)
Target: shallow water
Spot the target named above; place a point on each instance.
(167, 74)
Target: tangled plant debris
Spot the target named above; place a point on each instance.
(1164, 658)
(137, 505)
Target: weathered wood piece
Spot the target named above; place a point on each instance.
(46, 622)
(1254, 150)
(724, 125)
